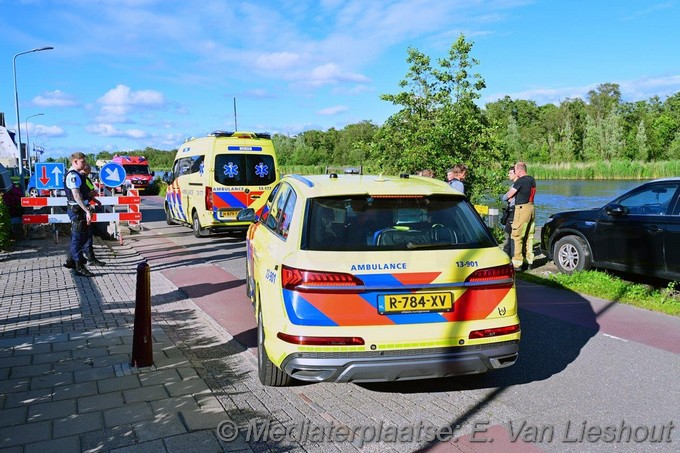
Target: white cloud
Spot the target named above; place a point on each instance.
(120, 101)
(631, 91)
(49, 131)
(108, 130)
(331, 74)
(277, 61)
(333, 110)
(259, 93)
(54, 99)
(123, 96)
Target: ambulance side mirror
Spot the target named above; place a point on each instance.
(246, 215)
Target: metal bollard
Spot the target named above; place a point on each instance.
(142, 347)
(494, 219)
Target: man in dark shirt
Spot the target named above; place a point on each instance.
(524, 220)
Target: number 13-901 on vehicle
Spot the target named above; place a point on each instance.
(361, 278)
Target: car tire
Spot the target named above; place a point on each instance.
(268, 373)
(168, 217)
(33, 192)
(196, 226)
(571, 254)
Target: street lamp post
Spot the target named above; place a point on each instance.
(28, 147)
(22, 183)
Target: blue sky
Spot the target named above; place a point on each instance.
(127, 74)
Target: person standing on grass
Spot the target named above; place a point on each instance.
(524, 220)
(509, 246)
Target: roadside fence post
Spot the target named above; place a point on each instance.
(142, 347)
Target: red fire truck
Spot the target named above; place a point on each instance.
(137, 174)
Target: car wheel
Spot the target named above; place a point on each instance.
(168, 217)
(196, 226)
(571, 255)
(33, 192)
(268, 373)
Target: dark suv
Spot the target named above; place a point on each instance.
(639, 232)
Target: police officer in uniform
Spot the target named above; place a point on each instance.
(78, 212)
(89, 198)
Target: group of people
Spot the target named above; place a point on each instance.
(82, 202)
(519, 227)
(520, 223)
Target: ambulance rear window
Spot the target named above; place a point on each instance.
(360, 223)
(244, 169)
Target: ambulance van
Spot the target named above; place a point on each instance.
(215, 177)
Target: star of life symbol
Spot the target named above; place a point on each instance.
(200, 169)
(261, 170)
(231, 170)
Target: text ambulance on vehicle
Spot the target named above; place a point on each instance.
(377, 278)
(215, 177)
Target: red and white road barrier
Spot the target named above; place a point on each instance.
(96, 217)
(133, 207)
(39, 202)
(132, 201)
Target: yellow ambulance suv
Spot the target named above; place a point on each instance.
(363, 278)
(215, 177)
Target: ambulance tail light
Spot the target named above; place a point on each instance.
(498, 274)
(316, 281)
(208, 198)
(487, 333)
(320, 341)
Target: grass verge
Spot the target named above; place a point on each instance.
(609, 287)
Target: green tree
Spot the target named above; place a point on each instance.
(603, 99)
(592, 140)
(575, 113)
(641, 147)
(612, 136)
(665, 127)
(439, 122)
(353, 143)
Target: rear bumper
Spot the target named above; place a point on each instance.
(381, 366)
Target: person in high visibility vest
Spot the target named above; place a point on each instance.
(88, 247)
(79, 213)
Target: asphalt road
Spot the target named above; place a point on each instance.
(592, 375)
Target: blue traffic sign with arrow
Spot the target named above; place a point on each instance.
(112, 174)
(49, 175)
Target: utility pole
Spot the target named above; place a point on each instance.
(235, 122)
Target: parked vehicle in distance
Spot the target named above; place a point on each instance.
(365, 278)
(137, 173)
(638, 232)
(215, 177)
(33, 191)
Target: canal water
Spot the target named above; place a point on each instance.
(557, 195)
(553, 195)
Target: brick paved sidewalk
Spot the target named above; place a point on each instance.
(65, 346)
(66, 383)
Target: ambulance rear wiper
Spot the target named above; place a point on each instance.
(431, 245)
